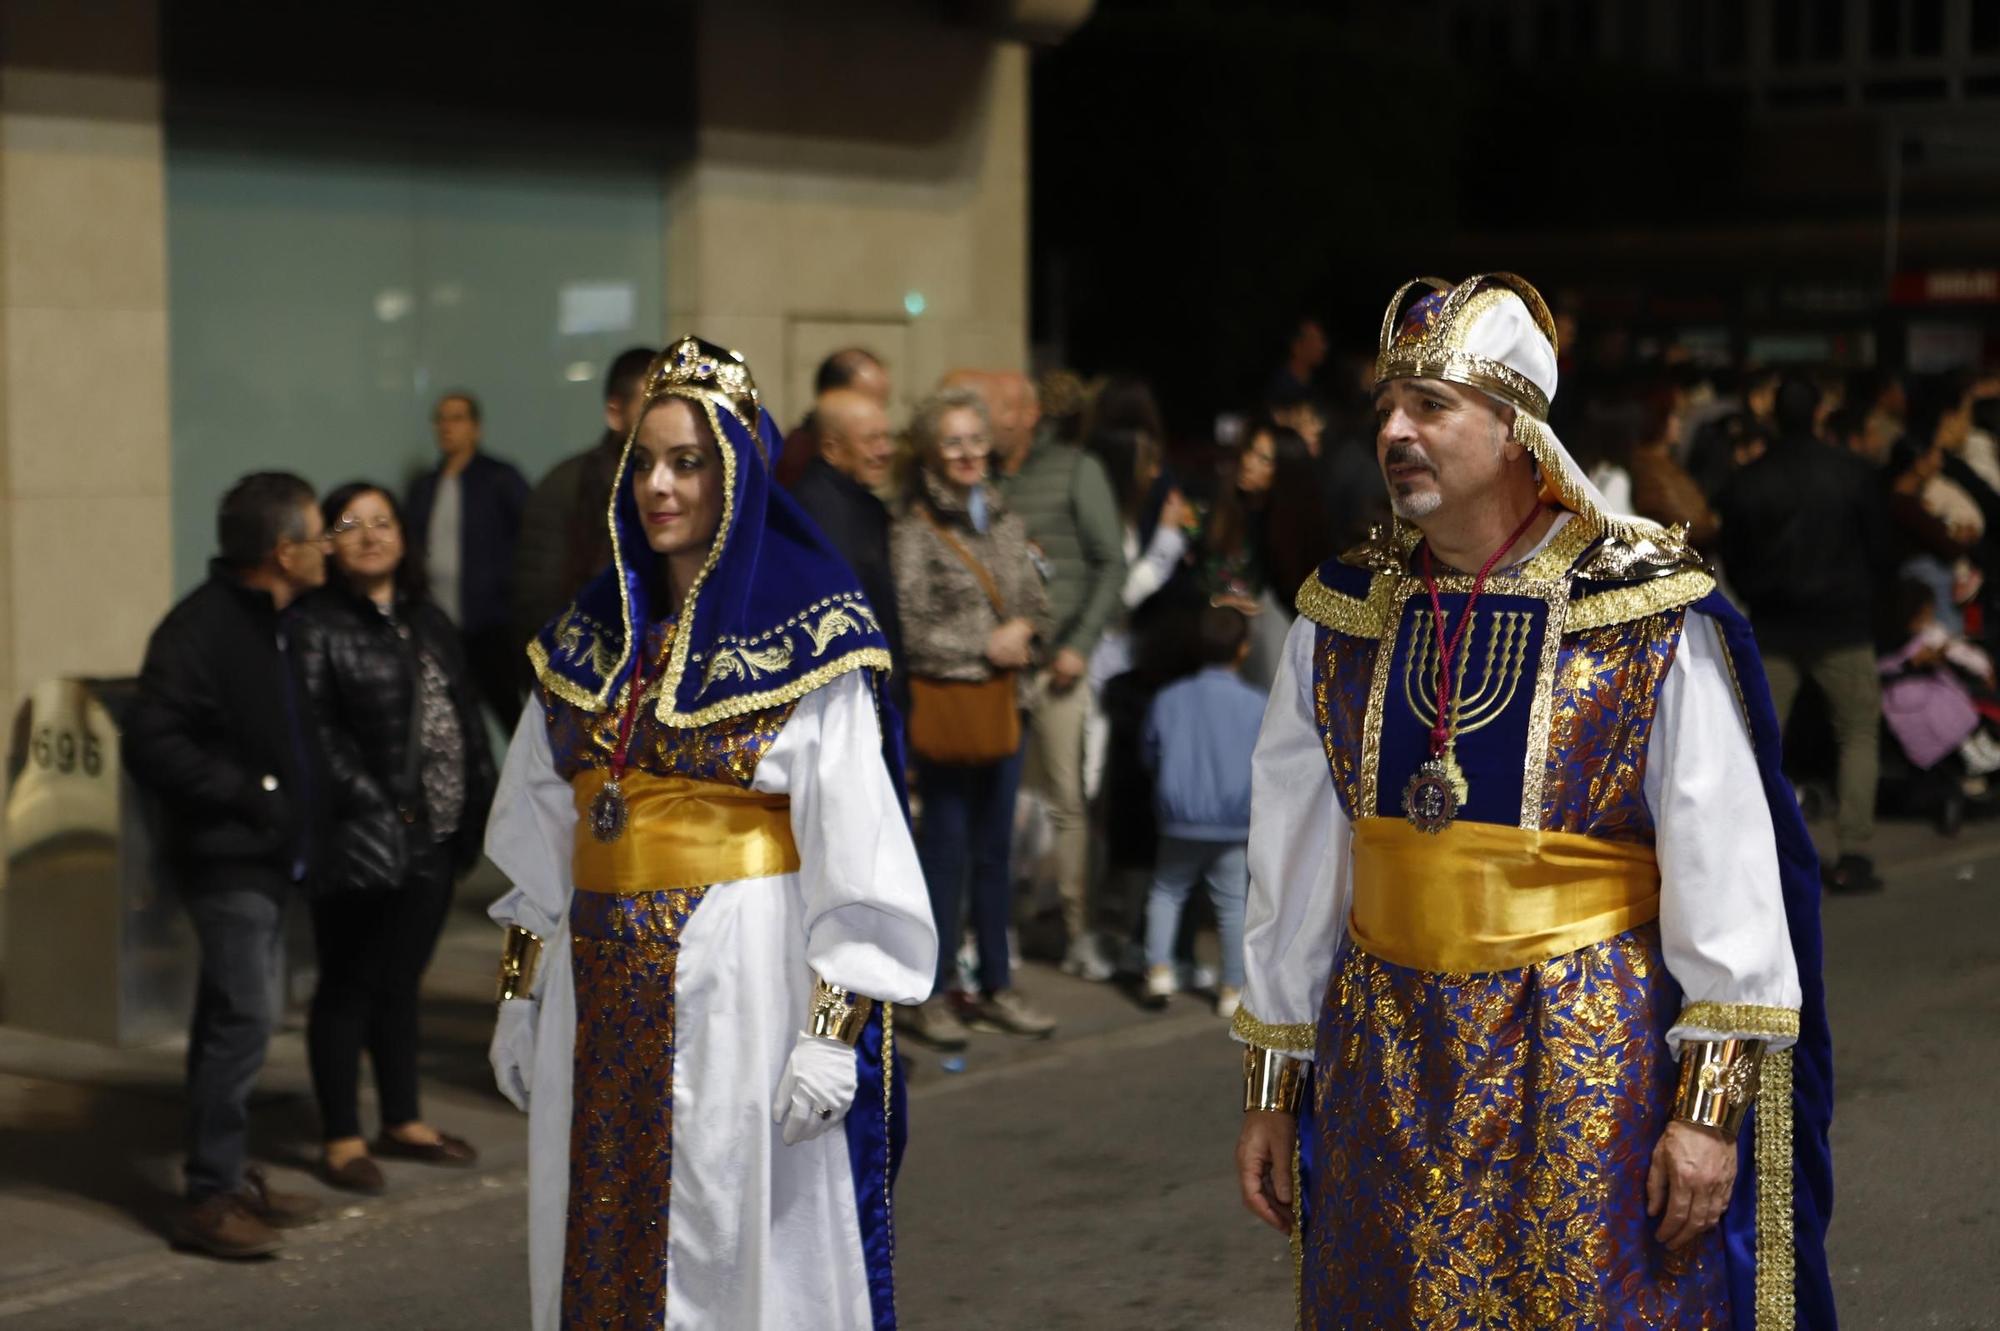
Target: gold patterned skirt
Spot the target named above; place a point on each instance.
(624, 952)
(1477, 1151)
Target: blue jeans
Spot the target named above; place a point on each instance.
(967, 834)
(1225, 867)
(239, 921)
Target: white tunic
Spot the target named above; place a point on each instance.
(1722, 909)
(760, 1234)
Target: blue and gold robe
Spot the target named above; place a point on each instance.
(1492, 1011)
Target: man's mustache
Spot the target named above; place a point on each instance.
(1407, 455)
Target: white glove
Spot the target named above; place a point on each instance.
(513, 1050)
(817, 1088)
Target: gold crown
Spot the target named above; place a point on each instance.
(696, 369)
(1433, 346)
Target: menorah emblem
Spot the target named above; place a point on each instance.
(1477, 696)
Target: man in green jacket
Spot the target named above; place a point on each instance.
(1065, 500)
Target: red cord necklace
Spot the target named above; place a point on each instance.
(607, 812)
(1438, 788)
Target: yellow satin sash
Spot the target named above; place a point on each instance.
(1481, 897)
(680, 832)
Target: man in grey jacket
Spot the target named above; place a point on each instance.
(1066, 501)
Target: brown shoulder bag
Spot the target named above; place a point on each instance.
(964, 724)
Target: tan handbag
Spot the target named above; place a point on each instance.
(964, 724)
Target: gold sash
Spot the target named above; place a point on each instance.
(680, 832)
(1482, 897)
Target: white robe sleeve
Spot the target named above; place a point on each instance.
(532, 832)
(867, 913)
(1722, 907)
(1300, 866)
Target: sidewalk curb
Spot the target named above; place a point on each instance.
(116, 1273)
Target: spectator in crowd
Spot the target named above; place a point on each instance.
(1125, 402)
(1662, 489)
(1846, 430)
(1153, 548)
(974, 611)
(1802, 542)
(1938, 525)
(1265, 537)
(565, 538)
(1199, 735)
(465, 517)
(411, 781)
(856, 368)
(1980, 448)
(1065, 400)
(1943, 727)
(839, 489)
(1305, 352)
(1880, 398)
(220, 734)
(1604, 451)
(1066, 503)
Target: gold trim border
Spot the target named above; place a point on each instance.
(1535, 763)
(1342, 613)
(1298, 1234)
(1297, 1038)
(1776, 1295)
(1745, 1019)
(1624, 604)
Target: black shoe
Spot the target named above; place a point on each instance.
(1854, 875)
(1951, 814)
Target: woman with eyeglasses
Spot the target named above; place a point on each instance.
(412, 779)
(975, 615)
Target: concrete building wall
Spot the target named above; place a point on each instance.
(84, 440)
(860, 164)
(868, 184)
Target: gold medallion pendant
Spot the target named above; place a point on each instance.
(1431, 799)
(607, 813)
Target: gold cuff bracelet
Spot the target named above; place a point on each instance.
(1718, 1082)
(518, 958)
(1271, 1082)
(837, 1014)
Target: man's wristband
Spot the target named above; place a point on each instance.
(1718, 1082)
(837, 1014)
(519, 956)
(1272, 1083)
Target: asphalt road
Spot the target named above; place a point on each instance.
(1085, 1183)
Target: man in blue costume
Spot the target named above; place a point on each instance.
(1533, 925)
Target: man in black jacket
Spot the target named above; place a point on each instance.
(565, 532)
(222, 735)
(465, 516)
(1804, 544)
(838, 492)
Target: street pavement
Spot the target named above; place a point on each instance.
(1082, 1182)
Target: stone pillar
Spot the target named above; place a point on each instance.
(85, 545)
(854, 178)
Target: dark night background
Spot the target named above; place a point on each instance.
(1205, 172)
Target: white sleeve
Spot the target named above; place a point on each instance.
(867, 912)
(1722, 905)
(1300, 866)
(1148, 573)
(532, 831)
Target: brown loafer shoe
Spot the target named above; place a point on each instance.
(279, 1210)
(446, 1150)
(360, 1174)
(221, 1226)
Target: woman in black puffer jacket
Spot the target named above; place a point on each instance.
(412, 779)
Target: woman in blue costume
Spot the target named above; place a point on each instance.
(1531, 904)
(715, 899)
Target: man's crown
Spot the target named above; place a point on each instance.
(693, 368)
(1492, 332)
